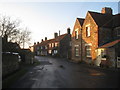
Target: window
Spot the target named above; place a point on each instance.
(88, 51)
(76, 50)
(103, 53)
(45, 47)
(55, 51)
(52, 44)
(56, 44)
(87, 31)
(76, 34)
(49, 45)
(50, 51)
(41, 47)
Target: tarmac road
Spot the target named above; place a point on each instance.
(60, 73)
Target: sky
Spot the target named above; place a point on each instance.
(43, 19)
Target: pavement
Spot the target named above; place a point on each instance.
(60, 73)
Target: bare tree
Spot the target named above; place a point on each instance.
(23, 37)
(9, 27)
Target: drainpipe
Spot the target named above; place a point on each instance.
(81, 43)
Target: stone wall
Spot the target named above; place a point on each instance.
(92, 39)
(77, 42)
(9, 63)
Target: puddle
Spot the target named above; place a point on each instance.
(97, 74)
(35, 79)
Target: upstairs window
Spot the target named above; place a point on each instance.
(56, 44)
(52, 44)
(76, 34)
(87, 31)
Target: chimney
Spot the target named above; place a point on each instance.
(41, 40)
(55, 35)
(106, 10)
(59, 32)
(34, 43)
(45, 38)
(37, 42)
(68, 30)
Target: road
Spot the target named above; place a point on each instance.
(60, 73)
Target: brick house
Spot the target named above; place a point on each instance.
(58, 46)
(97, 30)
(76, 41)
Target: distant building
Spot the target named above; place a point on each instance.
(58, 46)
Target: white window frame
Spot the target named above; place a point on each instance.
(88, 29)
(76, 34)
(76, 50)
(88, 49)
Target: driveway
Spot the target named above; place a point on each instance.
(60, 73)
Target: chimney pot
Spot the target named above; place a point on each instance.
(45, 38)
(106, 10)
(34, 43)
(68, 30)
(41, 40)
(37, 42)
(55, 35)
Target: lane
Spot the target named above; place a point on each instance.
(59, 73)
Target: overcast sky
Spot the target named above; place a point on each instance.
(45, 18)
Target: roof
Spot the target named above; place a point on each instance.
(102, 20)
(116, 20)
(110, 44)
(81, 21)
(57, 39)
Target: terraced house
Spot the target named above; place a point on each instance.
(76, 41)
(96, 38)
(58, 46)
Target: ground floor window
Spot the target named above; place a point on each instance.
(76, 51)
(55, 51)
(103, 53)
(88, 51)
(50, 51)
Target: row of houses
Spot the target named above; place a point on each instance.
(58, 46)
(95, 40)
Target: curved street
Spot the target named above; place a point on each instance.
(60, 73)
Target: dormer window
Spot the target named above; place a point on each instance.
(76, 33)
(88, 31)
